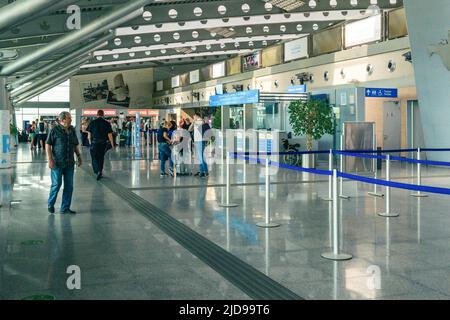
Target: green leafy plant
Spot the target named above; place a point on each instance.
(312, 118)
(13, 129)
(217, 119)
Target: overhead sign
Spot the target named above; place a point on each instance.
(144, 112)
(93, 112)
(296, 49)
(218, 70)
(363, 31)
(381, 93)
(241, 97)
(194, 76)
(297, 89)
(175, 81)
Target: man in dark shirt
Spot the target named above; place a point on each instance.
(164, 149)
(99, 133)
(61, 144)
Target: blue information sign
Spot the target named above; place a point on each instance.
(228, 99)
(137, 133)
(381, 93)
(297, 89)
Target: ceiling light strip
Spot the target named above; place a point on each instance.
(335, 15)
(196, 43)
(202, 54)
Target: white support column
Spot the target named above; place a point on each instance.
(5, 118)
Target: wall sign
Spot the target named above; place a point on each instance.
(381, 93)
(241, 97)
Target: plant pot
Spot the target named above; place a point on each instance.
(309, 161)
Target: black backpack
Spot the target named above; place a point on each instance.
(41, 127)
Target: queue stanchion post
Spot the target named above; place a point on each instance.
(419, 194)
(336, 254)
(375, 192)
(154, 144)
(330, 178)
(267, 223)
(388, 213)
(341, 168)
(227, 203)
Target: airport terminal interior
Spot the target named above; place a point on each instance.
(253, 150)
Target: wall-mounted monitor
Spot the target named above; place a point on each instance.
(251, 62)
(363, 31)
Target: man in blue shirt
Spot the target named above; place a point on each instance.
(61, 144)
(99, 134)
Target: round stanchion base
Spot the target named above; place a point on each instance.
(228, 205)
(373, 194)
(339, 256)
(388, 215)
(344, 197)
(419, 195)
(268, 225)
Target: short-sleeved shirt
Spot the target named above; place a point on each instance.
(160, 135)
(99, 129)
(63, 145)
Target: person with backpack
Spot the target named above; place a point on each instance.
(199, 127)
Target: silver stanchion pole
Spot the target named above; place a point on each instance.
(267, 223)
(154, 144)
(419, 194)
(227, 203)
(330, 179)
(336, 254)
(341, 168)
(375, 176)
(388, 213)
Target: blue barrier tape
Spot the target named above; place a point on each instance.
(359, 155)
(434, 149)
(282, 153)
(398, 185)
(425, 162)
(316, 171)
(380, 151)
(392, 184)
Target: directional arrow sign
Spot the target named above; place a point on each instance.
(381, 93)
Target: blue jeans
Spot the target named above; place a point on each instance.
(200, 150)
(164, 154)
(57, 175)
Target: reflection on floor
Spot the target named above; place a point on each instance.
(122, 255)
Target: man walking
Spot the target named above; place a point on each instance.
(61, 144)
(99, 133)
(199, 127)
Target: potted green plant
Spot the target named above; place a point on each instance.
(14, 133)
(313, 119)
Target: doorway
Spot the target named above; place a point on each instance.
(391, 125)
